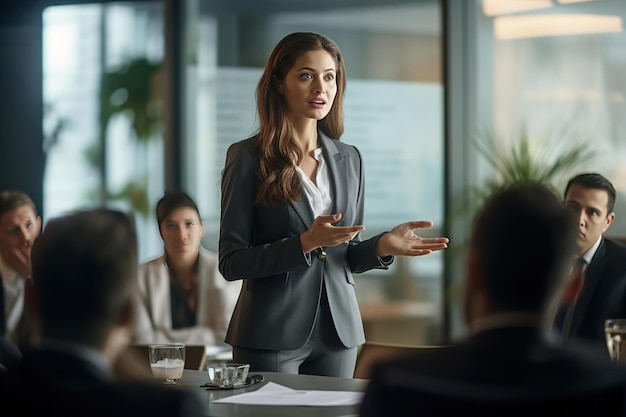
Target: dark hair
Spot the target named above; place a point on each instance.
(279, 179)
(525, 240)
(173, 200)
(595, 181)
(84, 273)
(12, 199)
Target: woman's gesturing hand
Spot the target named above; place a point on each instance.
(401, 241)
(324, 234)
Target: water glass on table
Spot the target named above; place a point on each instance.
(615, 332)
(228, 374)
(167, 361)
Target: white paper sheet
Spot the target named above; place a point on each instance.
(275, 394)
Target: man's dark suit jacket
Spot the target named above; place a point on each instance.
(603, 295)
(50, 383)
(513, 371)
(10, 355)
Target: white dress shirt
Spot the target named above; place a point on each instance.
(14, 288)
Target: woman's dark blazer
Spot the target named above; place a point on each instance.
(261, 245)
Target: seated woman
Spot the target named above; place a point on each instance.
(183, 296)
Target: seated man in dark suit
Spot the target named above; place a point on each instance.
(522, 244)
(83, 302)
(19, 228)
(590, 198)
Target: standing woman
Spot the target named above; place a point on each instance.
(292, 210)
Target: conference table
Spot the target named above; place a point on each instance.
(194, 379)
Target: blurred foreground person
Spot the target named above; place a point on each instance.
(10, 355)
(521, 248)
(84, 302)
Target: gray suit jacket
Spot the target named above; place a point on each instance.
(282, 288)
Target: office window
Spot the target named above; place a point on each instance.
(557, 68)
(102, 123)
(545, 72)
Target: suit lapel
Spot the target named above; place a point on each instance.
(161, 308)
(303, 209)
(593, 274)
(336, 163)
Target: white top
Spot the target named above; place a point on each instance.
(14, 288)
(319, 196)
(216, 301)
(587, 256)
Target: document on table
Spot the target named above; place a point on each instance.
(275, 394)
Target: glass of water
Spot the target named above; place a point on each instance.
(167, 362)
(615, 332)
(228, 374)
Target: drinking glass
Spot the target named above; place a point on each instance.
(615, 332)
(167, 362)
(227, 374)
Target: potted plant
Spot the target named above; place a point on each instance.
(547, 160)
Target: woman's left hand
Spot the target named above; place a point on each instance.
(401, 241)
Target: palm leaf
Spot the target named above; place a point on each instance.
(544, 160)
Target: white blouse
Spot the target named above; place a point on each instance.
(319, 196)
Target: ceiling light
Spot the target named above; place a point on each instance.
(573, 1)
(533, 26)
(500, 7)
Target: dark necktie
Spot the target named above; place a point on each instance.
(565, 313)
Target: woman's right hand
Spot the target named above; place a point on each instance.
(323, 234)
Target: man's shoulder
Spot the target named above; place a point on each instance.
(94, 396)
(161, 400)
(615, 245)
(615, 254)
(119, 400)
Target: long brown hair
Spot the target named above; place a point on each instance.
(280, 181)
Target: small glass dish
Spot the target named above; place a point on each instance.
(228, 374)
